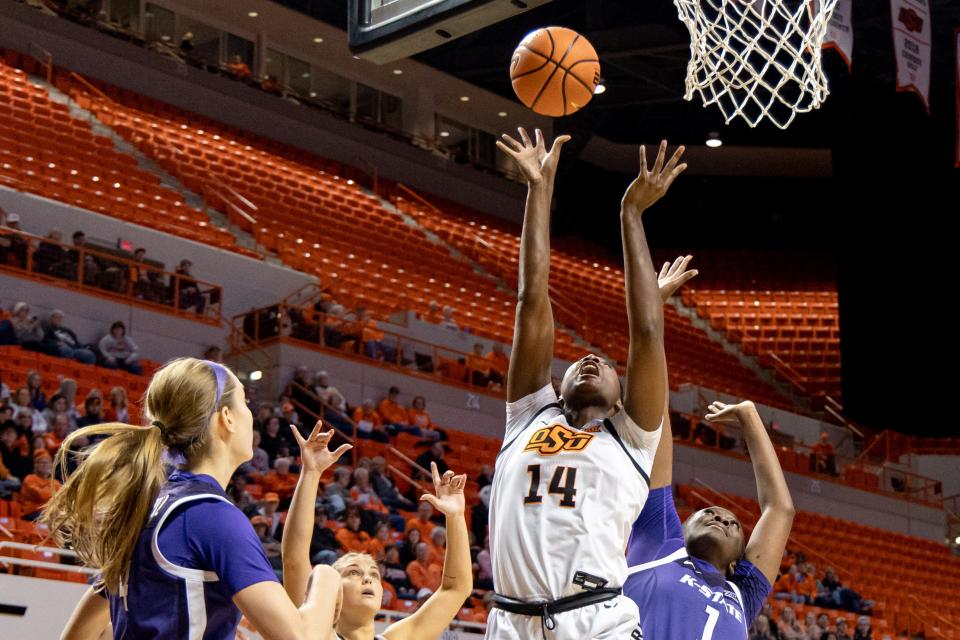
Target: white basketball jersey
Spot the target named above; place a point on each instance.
(564, 499)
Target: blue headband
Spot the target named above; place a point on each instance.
(220, 373)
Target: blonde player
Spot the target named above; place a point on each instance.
(574, 470)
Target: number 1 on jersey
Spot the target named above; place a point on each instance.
(563, 483)
(712, 616)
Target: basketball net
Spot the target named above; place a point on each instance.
(757, 59)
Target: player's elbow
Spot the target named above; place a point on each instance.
(783, 510)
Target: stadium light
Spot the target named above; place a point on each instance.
(256, 375)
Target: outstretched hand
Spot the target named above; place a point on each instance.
(314, 454)
(449, 498)
(532, 159)
(674, 275)
(651, 185)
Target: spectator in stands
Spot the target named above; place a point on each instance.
(863, 631)
(26, 328)
(238, 494)
(38, 486)
(238, 68)
(22, 406)
(824, 458)
(408, 550)
(448, 322)
(147, 282)
(813, 630)
(787, 587)
(58, 406)
(395, 573)
(484, 567)
(269, 509)
(364, 495)
(373, 339)
(842, 631)
(280, 481)
(8, 482)
(59, 429)
(186, 45)
(272, 438)
(438, 545)
(323, 544)
(271, 85)
(761, 629)
(369, 422)
(92, 410)
(185, 290)
(271, 548)
(823, 621)
(434, 454)
(118, 410)
(385, 487)
(420, 418)
(52, 258)
(13, 246)
(119, 350)
(433, 314)
(68, 389)
(423, 573)
(11, 453)
(300, 392)
(478, 366)
(327, 393)
(337, 491)
(91, 266)
(789, 627)
(480, 514)
(395, 417)
(379, 542)
(834, 594)
(422, 522)
(62, 342)
(499, 364)
(4, 390)
(485, 476)
(351, 537)
(38, 399)
(213, 353)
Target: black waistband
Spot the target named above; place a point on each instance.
(549, 608)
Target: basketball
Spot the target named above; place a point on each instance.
(554, 71)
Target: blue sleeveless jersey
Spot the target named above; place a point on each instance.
(681, 597)
(196, 551)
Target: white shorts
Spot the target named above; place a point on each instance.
(617, 618)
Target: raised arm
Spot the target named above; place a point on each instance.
(441, 608)
(769, 537)
(90, 618)
(532, 351)
(672, 276)
(646, 367)
(298, 529)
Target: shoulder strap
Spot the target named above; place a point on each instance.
(616, 436)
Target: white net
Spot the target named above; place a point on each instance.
(757, 59)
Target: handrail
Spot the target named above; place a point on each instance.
(353, 331)
(86, 83)
(48, 59)
(792, 375)
(353, 438)
(115, 280)
(40, 564)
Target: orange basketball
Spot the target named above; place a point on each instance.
(554, 71)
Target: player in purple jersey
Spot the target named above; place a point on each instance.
(702, 579)
(177, 559)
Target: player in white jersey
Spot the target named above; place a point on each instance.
(573, 472)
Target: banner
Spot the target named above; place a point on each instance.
(840, 31)
(911, 43)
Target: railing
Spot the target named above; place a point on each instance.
(788, 373)
(352, 338)
(238, 209)
(45, 58)
(103, 273)
(353, 438)
(797, 457)
(7, 561)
